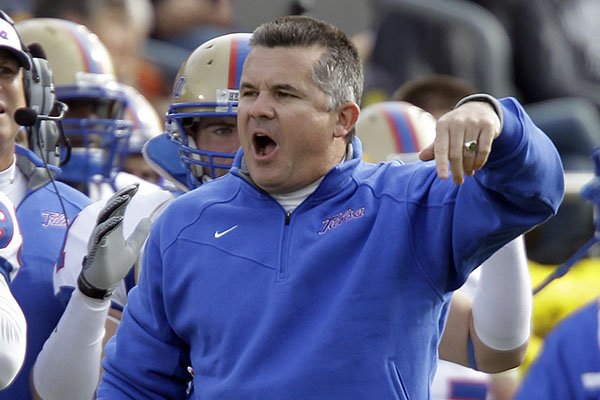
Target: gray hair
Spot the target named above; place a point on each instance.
(338, 72)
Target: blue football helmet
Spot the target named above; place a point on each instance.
(206, 86)
(83, 73)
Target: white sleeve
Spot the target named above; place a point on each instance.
(68, 367)
(13, 335)
(503, 301)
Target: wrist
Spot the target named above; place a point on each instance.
(89, 290)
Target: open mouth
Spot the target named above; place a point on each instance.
(263, 145)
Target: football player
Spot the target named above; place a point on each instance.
(44, 207)
(101, 112)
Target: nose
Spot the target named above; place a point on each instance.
(262, 106)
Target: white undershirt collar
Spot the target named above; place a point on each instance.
(289, 201)
(13, 183)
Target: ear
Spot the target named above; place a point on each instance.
(346, 118)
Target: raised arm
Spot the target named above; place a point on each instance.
(68, 367)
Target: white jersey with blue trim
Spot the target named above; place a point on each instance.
(147, 203)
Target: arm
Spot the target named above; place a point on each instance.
(498, 317)
(69, 364)
(519, 185)
(144, 336)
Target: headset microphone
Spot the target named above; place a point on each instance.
(26, 116)
(46, 132)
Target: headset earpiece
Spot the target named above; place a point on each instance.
(39, 89)
(43, 136)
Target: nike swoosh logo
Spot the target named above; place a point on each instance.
(225, 232)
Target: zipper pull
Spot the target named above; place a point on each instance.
(288, 216)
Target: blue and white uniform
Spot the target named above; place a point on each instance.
(569, 364)
(43, 226)
(346, 297)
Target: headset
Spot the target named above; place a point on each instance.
(44, 132)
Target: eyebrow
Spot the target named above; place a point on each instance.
(245, 85)
(279, 86)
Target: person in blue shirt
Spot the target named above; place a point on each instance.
(44, 207)
(306, 272)
(569, 364)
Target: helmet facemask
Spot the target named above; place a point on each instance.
(96, 129)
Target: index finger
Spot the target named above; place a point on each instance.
(440, 150)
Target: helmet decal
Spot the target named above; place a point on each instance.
(87, 60)
(404, 136)
(177, 89)
(237, 55)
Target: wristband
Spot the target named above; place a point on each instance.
(91, 291)
(485, 98)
